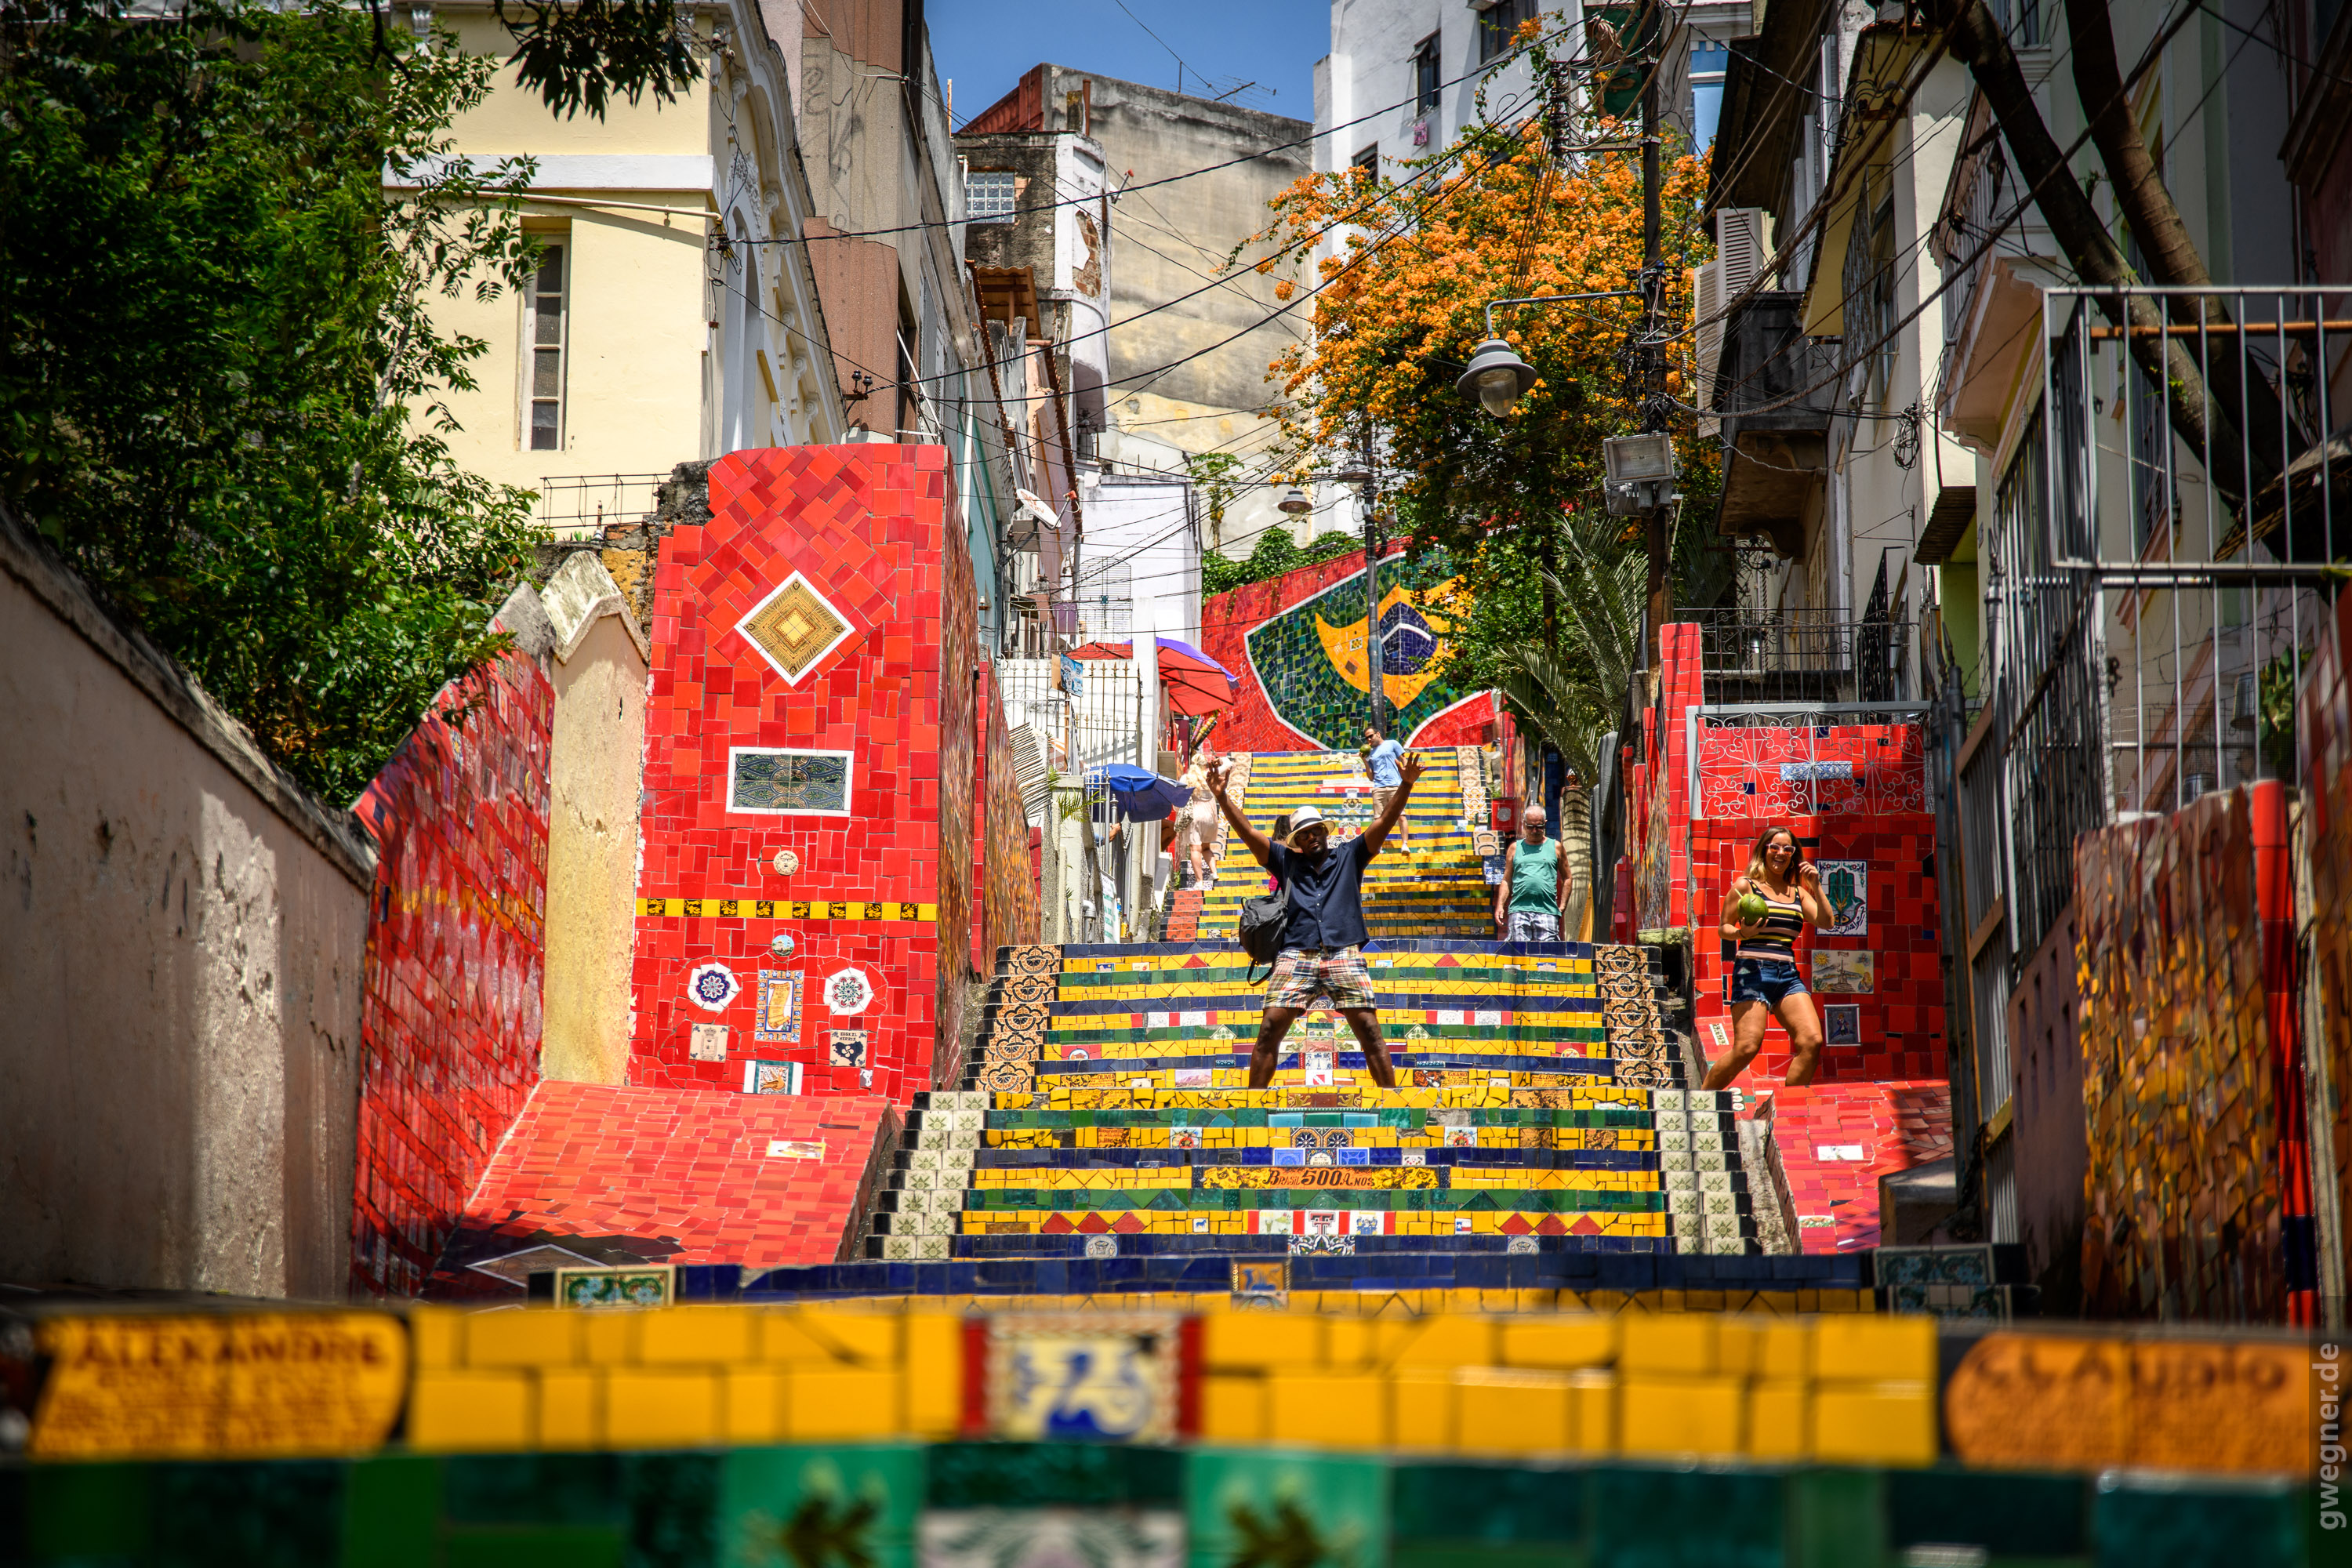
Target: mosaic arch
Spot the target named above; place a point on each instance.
(1312, 662)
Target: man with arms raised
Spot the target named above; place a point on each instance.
(1322, 953)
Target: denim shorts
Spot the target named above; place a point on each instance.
(1766, 980)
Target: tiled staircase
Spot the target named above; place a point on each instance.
(1428, 881)
(1542, 1133)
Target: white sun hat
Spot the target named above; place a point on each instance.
(1307, 816)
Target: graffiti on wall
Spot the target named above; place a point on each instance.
(2324, 737)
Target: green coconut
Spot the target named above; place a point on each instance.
(1752, 909)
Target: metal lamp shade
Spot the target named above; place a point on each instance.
(1498, 377)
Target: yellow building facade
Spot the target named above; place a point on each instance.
(664, 323)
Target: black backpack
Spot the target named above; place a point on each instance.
(1260, 931)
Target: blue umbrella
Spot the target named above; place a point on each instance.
(1137, 794)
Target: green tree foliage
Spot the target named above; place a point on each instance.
(1510, 209)
(1212, 476)
(223, 390)
(1276, 553)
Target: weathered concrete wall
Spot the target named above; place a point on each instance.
(595, 762)
(180, 1000)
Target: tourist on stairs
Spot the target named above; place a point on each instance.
(1322, 946)
(1532, 901)
(1196, 820)
(1381, 757)
(1779, 897)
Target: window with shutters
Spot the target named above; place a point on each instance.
(544, 334)
(1425, 76)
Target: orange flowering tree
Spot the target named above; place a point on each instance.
(1399, 309)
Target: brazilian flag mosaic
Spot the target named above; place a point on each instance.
(1311, 663)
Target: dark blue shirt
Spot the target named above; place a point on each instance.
(1327, 894)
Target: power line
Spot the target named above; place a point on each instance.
(1953, 274)
(1499, 63)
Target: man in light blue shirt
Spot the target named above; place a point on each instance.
(1381, 763)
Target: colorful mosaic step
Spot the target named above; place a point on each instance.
(1429, 879)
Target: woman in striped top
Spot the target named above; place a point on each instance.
(1765, 981)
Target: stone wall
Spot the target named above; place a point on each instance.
(183, 929)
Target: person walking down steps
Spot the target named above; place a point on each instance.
(1196, 821)
(1322, 952)
(1382, 759)
(1532, 901)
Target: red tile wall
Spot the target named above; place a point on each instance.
(1901, 1017)
(872, 529)
(1683, 853)
(1249, 725)
(450, 1025)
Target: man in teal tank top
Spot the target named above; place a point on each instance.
(1533, 897)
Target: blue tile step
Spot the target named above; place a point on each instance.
(1212, 1274)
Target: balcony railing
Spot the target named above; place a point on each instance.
(1801, 656)
(582, 506)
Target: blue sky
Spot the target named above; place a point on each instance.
(985, 45)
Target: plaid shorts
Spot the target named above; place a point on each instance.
(1302, 974)
(1533, 925)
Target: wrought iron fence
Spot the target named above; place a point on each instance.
(582, 506)
(1795, 656)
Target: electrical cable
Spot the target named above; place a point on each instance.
(1498, 63)
(1953, 274)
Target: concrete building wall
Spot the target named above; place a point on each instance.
(1178, 378)
(670, 351)
(1142, 540)
(180, 1003)
(594, 759)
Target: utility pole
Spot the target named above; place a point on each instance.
(1648, 360)
(1372, 660)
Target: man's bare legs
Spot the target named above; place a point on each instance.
(1366, 1023)
(1271, 1027)
(1363, 1022)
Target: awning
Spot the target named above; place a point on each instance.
(1196, 683)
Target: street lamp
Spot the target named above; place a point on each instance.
(1498, 377)
(1295, 503)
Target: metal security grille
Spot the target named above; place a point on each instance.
(1802, 656)
(2154, 570)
